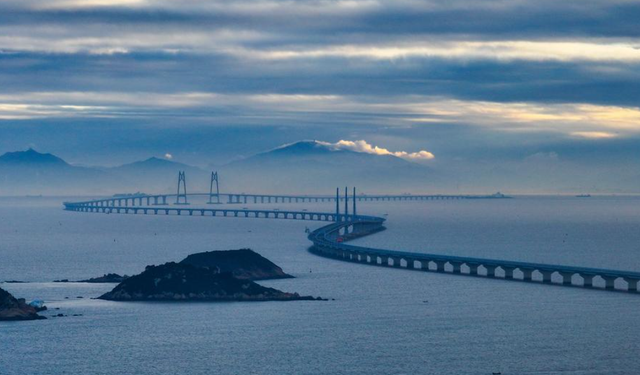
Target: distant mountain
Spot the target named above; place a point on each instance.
(155, 173)
(31, 172)
(34, 173)
(153, 164)
(313, 166)
(31, 158)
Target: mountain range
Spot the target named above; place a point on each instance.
(301, 167)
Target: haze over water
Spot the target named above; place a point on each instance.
(382, 321)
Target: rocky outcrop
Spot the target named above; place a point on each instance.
(12, 308)
(106, 278)
(244, 264)
(185, 282)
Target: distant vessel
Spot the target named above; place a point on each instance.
(583, 196)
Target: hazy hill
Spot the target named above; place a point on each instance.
(160, 175)
(314, 167)
(33, 173)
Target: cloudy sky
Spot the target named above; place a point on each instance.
(538, 86)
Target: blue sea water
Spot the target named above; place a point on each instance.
(382, 321)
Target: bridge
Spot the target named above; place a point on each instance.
(332, 240)
(242, 198)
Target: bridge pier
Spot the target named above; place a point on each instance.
(527, 274)
(473, 269)
(440, 265)
(508, 272)
(609, 282)
(491, 270)
(566, 277)
(410, 263)
(632, 284)
(587, 280)
(456, 267)
(546, 276)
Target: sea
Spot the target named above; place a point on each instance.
(377, 320)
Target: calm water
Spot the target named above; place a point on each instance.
(379, 322)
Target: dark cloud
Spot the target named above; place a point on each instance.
(104, 85)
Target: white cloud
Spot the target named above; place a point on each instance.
(545, 50)
(363, 146)
(168, 156)
(593, 135)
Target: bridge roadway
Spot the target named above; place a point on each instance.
(214, 212)
(233, 198)
(330, 241)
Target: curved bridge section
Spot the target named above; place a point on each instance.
(330, 241)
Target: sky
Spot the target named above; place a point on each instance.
(494, 89)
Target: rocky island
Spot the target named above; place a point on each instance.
(184, 282)
(12, 308)
(106, 278)
(244, 264)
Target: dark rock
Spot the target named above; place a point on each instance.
(106, 278)
(16, 309)
(61, 281)
(14, 282)
(184, 282)
(243, 264)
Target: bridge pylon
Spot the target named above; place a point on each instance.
(214, 198)
(181, 197)
(337, 204)
(354, 201)
(346, 201)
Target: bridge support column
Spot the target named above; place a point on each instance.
(566, 278)
(546, 276)
(473, 269)
(609, 282)
(526, 274)
(384, 261)
(363, 258)
(396, 262)
(456, 267)
(491, 271)
(508, 272)
(440, 265)
(411, 264)
(632, 284)
(424, 265)
(587, 280)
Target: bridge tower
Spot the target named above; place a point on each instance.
(354, 201)
(181, 198)
(212, 195)
(346, 201)
(337, 204)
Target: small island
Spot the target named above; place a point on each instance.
(12, 309)
(244, 264)
(106, 278)
(184, 282)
